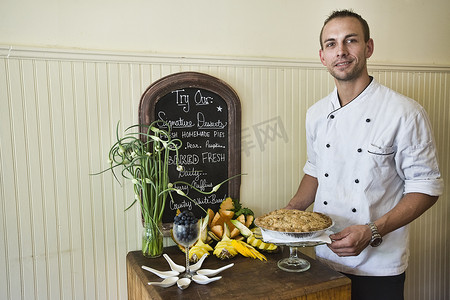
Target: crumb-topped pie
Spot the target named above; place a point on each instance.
(292, 220)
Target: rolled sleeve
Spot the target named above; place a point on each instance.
(310, 169)
(423, 175)
(419, 164)
(432, 187)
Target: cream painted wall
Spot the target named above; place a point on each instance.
(65, 235)
(405, 31)
(67, 239)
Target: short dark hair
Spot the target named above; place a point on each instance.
(346, 13)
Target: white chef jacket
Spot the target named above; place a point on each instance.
(366, 155)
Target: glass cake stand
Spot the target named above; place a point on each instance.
(293, 263)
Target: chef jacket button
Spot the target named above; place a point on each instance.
(327, 145)
(326, 174)
(359, 150)
(354, 210)
(356, 180)
(325, 202)
(367, 120)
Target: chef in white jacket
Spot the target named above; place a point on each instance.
(371, 165)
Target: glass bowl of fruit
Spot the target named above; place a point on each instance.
(186, 231)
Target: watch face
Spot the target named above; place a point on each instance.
(376, 242)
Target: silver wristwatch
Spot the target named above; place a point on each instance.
(376, 236)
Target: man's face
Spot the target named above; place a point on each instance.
(344, 51)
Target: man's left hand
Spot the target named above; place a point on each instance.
(351, 241)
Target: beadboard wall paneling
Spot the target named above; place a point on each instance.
(64, 233)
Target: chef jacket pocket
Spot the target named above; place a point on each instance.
(380, 168)
(381, 157)
(381, 150)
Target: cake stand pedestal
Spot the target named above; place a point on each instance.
(293, 263)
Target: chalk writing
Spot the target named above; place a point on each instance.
(182, 100)
(192, 146)
(195, 134)
(200, 119)
(212, 145)
(181, 206)
(212, 158)
(203, 185)
(178, 123)
(203, 124)
(184, 159)
(201, 100)
(191, 173)
(210, 199)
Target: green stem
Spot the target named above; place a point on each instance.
(144, 159)
(152, 240)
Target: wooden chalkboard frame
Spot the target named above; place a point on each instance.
(165, 85)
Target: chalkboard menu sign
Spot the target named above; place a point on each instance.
(204, 113)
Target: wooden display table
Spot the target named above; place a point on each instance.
(247, 279)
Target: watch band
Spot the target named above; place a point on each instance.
(376, 236)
